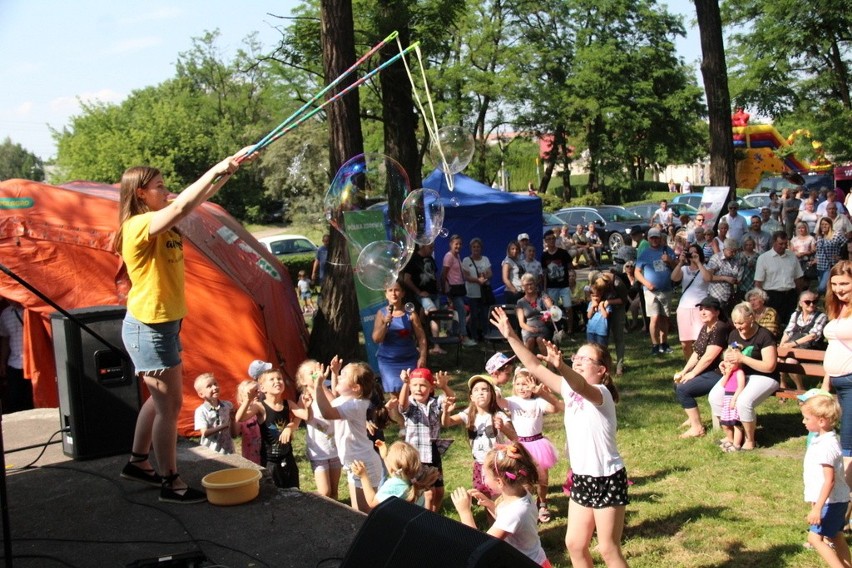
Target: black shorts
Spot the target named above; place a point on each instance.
(437, 464)
(282, 466)
(600, 492)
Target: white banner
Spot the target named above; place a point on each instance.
(713, 203)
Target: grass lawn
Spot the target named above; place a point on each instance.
(691, 504)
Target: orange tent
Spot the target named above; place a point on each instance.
(242, 304)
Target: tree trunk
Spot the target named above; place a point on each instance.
(400, 122)
(336, 324)
(715, 73)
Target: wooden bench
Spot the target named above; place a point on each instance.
(810, 364)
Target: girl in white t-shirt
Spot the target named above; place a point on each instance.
(319, 432)
(529, 402)
(599, 492)
(486, 424)
(349, 411)
(509, 472)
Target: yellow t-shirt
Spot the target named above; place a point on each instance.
(155, 267)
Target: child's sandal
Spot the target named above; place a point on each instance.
(543, 514)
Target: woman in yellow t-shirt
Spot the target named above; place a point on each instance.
(152, 250)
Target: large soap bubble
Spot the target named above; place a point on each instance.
(379, 264)
(362, 181)
(456, 145)
(423, 215)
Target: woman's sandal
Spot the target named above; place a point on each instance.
(690, 434)
(144, 475)
(186, 495)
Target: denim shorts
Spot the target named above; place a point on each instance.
(152, 347)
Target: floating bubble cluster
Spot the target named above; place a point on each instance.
(412, 216)
(362, 181)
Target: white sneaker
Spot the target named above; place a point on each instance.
(468, 342)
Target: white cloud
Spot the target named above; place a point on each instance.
(70, 105)
(157, 15)
(24, 109)
(135, 44)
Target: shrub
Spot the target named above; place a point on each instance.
(296, 262)
(551, 202)
(588, 200)
(641, 190)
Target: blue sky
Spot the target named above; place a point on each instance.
(59, 51)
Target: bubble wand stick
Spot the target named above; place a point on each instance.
(276, 132)
(354, 85)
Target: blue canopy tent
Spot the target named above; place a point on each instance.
(494, 216)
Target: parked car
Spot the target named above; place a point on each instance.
(757, 200)
(613, 222)
(694, 199)
(811, 181)
(645, 210)
(551, 222)
(283, 245)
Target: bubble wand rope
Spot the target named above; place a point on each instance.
(352, 86)
(266, 140)
(433, 129)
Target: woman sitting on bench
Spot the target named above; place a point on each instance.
(803, 332)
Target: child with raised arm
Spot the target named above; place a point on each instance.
(277, 425)
(407, 477)
(486, 424)
(421, 410)
(214, 418)
(599, 492)
(825, 483)
(319, 439)
(529, 402)
(353, 386)
(248, 392)
(734, 381)
(510, 473)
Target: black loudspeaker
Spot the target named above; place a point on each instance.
(98, 389)
(399, 533)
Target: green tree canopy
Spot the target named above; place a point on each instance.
(791, 61)
(211, 108)
(16, 162)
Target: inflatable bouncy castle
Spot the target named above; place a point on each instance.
(758, 144)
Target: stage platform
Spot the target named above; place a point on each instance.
(81, 513)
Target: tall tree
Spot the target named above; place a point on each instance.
(715, 73)
(398, 119)
(610, 83)
(336, 325)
